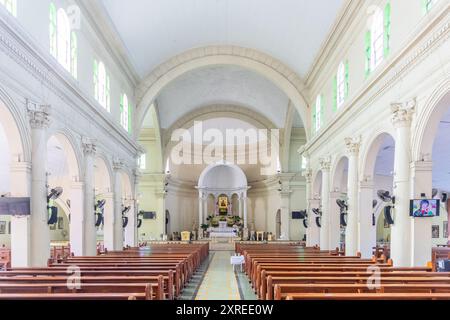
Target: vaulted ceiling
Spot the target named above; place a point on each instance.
(291, 31)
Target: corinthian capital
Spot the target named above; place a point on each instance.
(39, 115)
(325, 163)
(308, 175)
(89, 147)
(117, 163)
(402, 113)
(353, 145)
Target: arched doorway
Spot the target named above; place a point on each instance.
(378, 172)
(338, 193)
(63, 172)
(14, 182)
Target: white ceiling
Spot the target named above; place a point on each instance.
(222, 84)
(289, 30)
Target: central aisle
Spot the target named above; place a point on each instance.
(219, 282)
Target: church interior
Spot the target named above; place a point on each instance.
(224, 150)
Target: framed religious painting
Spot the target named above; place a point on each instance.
(435, 231)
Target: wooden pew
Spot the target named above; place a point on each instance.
(282, 291)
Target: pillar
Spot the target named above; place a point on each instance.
(39, 229)
(401, 229)
(335, 222)
(20, 225)
(367, 232)
(131, 237)
(422, 243)
(108, 218)
(77, 219)
(325, 164)
(312, 232)
(90, 231)
(245, 212)
(118, 205)
(351, 231)
(201, 209)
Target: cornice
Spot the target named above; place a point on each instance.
(397, 67)
(99, 20)
(22, 48)
(338, 30)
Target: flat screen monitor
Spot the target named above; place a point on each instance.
(15, 206)
(298, 215)
(424, 208)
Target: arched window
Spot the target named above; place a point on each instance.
(427, 5)
(101, 85)
(340, 76)
(124, 113)
(63, 40)
(376, 39)
(318, 112)
(143, 161)
(11, 6)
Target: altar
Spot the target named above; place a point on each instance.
(222, 205)
(223, 231)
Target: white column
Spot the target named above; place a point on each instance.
(351, 231)
(118, 221)
(20, 225)
(285, 195)
(422, 243)
(40, 234)
(90, 231)
(367, 233)
(312, 235)
(131, 231)
(314, 230)
(108, 227)
(401, 229)
(334, 218)
(245, 212)
(240, 200)
(200, 212)
(77, 223)
(325, 164)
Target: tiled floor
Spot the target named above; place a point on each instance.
(219, 282)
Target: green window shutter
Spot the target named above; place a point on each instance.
(425, 7)
(52, 29)
(129, 118)
(368, 47)
(96, 79)
(346, 80)
(322, 112)
(313, 127)
(108, 94)
(335, 94)
(387, 29)
(74, 55)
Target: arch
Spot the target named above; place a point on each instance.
(274, 70)
(317, 184)
(337, 174)
(103, 175)
(72, 151)
(428, 122)
(15, 126)
(370, 152)
(222, 169)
